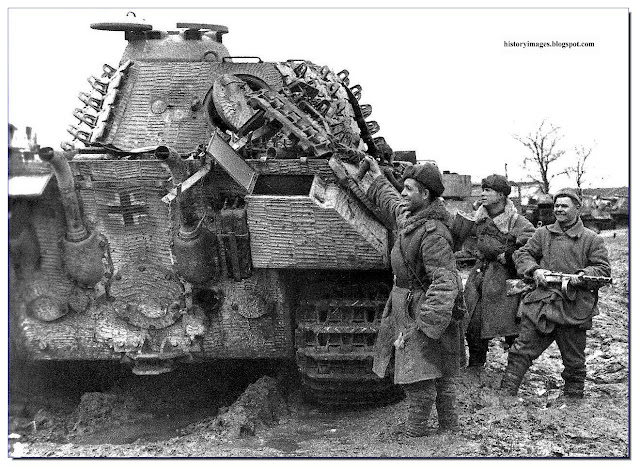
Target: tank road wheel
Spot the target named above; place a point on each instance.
(335, 336)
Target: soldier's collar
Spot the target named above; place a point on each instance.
(435, 211)
(574, 232)
(503, 220)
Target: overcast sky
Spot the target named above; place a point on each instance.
(441, 82)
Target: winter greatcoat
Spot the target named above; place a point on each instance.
(485, 292)
(576, 250)
(422, 310)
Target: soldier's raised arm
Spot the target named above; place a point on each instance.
(382, 192)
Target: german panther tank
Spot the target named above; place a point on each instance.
(207, 207)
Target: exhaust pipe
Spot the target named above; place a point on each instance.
(83, 250)
(193, 245)
(179, 173)
(76, 231)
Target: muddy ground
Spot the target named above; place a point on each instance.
(254, 409)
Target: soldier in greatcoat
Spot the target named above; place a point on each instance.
(499, 230)
(419, 333)
(551, 313)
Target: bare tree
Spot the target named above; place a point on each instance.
(578, 168)
(543, 150)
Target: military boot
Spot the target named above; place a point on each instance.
(574, 389)
(478, 349)
(445, 404)
(574, 377)
(420, 397)
(517, 366)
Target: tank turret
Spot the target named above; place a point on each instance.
(207, 208)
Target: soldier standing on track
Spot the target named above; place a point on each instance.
(500, 230)
(549, 313)
(419, 324)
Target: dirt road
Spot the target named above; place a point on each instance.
(98, 411)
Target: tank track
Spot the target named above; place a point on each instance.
(315, 111)
(337, 320)
(326, 97)
(309, 135)
(337, 324)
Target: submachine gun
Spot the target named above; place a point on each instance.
(588, 282)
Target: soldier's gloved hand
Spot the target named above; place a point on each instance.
(539, 277)
(374, 167)
(502, 258)
(387, 171)
(577, 281)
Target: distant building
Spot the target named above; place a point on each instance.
(12, 129)
(606, 192)
(529, 191)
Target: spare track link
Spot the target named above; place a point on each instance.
(335, 341)
(309, 135)
(330, 102)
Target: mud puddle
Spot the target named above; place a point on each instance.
(296, 435)
(289, 439)
(151, 430)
